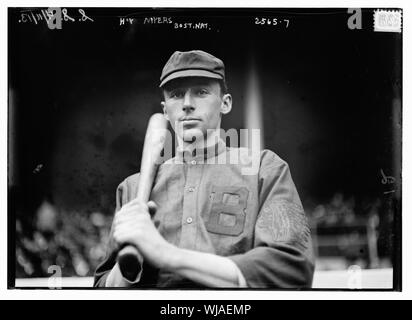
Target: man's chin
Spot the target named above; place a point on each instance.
(192, 135)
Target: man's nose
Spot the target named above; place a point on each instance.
(188, 104)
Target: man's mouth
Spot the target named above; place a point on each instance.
(189, 121)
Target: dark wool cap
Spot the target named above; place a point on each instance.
(194, 63)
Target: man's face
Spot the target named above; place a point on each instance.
(194, 105)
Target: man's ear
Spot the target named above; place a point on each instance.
(164, 110)
(226, 104)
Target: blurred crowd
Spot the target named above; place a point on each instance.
(352, 231)
(341, 210)
(74, 241)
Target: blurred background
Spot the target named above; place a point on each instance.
(327, 98)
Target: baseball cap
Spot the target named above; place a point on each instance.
(195, 63)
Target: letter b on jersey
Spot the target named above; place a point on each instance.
(227, 216)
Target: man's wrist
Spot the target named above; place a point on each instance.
(171, 257)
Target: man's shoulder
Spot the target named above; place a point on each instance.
(270, 158)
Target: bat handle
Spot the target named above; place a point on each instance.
(129, 260)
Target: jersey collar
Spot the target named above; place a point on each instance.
(194, 155)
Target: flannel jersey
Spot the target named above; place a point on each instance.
(207, 203)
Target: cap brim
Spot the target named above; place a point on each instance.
(190, 73)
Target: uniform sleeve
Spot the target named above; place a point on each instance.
(282, 254)
(125, 192)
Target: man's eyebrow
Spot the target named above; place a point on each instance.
(173, 89)
(202, 85)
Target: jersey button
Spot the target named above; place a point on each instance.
(193, 162)
(189, 220)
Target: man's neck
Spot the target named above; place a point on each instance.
(211, 139)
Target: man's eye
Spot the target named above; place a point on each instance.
(176, 94)
(202, 92)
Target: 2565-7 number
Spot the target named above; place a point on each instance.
(272, 21)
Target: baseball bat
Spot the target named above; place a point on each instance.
(129, 258)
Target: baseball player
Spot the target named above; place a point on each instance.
(208, 224)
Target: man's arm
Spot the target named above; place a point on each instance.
(205, 268)
(133, 224)
(282, 256)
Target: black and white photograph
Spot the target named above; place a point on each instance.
(204, 148)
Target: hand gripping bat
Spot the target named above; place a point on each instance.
(129, 257)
